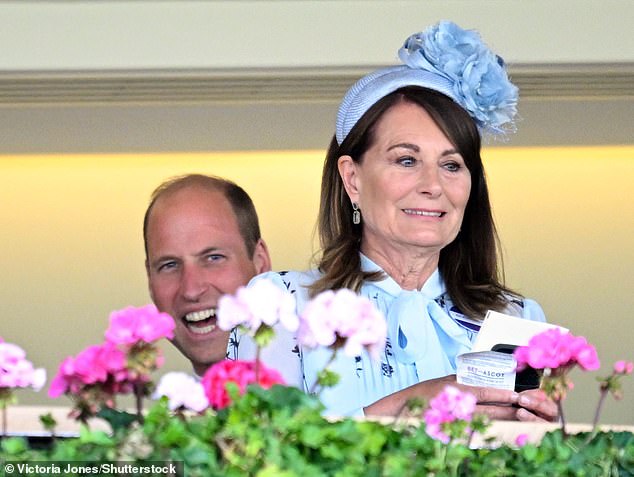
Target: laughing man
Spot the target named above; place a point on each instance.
(202, 240)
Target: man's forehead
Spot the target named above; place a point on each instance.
(191, 193)
(203, 218)
(189, 202)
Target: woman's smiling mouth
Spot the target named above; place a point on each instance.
(424, 213)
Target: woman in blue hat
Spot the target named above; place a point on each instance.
(405, 220)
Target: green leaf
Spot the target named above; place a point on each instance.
(48, 421)
(100, 438)
(117, 419)
(327, 378)
(274, 471)
(314, 435)
(13, 446)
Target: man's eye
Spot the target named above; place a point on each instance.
(214, 257)
(164, 267)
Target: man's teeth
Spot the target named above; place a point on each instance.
(199, 315)
(201, 330)
(194, 319)
(424, 213)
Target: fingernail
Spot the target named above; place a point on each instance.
(524, 401)
(522, 413)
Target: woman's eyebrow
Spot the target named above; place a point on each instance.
(449, 152)
(415, 148)
(405, 145)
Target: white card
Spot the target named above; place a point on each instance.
(486, 368)
(498, 328)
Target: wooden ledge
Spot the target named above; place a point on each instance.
(24, 420)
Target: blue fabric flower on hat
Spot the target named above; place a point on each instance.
(443, 48)
(480, 82)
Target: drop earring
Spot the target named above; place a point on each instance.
(356, 214)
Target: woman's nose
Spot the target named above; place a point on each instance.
(429, 181)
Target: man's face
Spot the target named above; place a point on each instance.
(195, 255)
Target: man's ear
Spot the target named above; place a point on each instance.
(261, 257)
(348, 172)
(149, 282)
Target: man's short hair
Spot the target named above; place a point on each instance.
(241, 204)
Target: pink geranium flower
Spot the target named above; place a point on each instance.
(103, 364)
(242, 373)
(448, 406)
(521, 440)
(342, 315)
(261, 303)
(623, 367)
(132, 325)
(555, 349)
(16, 371)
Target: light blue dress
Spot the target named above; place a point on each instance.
(425, 334)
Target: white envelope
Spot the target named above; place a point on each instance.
(498, 328)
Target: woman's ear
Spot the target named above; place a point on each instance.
(350, 178)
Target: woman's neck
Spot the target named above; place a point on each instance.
(410, 269)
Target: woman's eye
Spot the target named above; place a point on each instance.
(452, 166)
(407, 161)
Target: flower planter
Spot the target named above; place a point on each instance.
(282, 430)
(508, 431)
(25, 421)
(256, 434)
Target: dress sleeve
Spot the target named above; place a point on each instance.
(533, 311)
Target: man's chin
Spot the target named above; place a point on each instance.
(202, 353)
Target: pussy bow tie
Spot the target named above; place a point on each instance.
(423, 334)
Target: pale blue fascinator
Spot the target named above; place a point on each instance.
(447, 59)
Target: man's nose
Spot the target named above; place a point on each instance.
(194, 283)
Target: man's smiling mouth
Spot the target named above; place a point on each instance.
(201, 322)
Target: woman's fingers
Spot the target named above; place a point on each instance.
(535, 402)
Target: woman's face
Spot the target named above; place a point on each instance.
(412, 186)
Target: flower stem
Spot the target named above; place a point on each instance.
(562, 418)
(470, 438)
(401, 413)
(442, 450)
(138, 394)
(597, 413)
(4, 419)
(314, 388)
(257, 363)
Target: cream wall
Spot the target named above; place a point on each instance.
(72, 247)
(133, 34)
(91, 90)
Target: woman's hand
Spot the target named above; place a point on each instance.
(534, 405)
(499, 404)
(496, 403)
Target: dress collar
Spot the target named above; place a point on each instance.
(432, 288)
